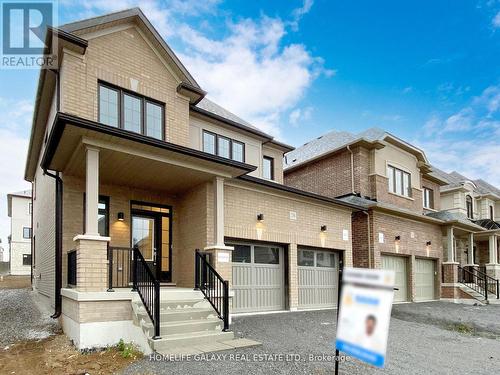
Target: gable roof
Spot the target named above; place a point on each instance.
(457, 180)
(124, 16)
(336, 140)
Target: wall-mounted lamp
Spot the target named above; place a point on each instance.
(121, 216)
(428, 243)
(260, 217)
(323, 228)
(397, 238)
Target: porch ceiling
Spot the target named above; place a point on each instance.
(131, 159)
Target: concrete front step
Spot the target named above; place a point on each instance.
(176, 315)
(471, 292)
(179, 304)
(173, 328)
(171, 342)
(211, 347)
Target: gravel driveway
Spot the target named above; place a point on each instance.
(415, 347)
(20, 318)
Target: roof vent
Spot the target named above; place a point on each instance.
(320, 137)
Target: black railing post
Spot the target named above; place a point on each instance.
(110, 269)
(134, 271)
(225, 307)
(157, 311)
(498, 292)
(196, 270)
(485, 288)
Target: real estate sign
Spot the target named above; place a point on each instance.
(365, 313)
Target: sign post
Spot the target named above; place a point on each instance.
(364, 314)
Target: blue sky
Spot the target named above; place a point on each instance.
(427, 71)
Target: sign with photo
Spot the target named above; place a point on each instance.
(365, 313)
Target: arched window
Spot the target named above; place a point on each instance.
(470, 208)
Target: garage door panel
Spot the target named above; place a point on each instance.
(258, 286)
(317, 285)
(425, 279)
(398, 265)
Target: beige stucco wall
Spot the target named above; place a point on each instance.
(393, 155)
(19, 246)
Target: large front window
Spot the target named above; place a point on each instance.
(122, 109)
(399, 181)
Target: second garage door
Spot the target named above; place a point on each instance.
(258, 278)
(425, 276)
(317, 272)
(399, 266)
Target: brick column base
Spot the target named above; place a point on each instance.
(91, 263)
(493, 270)
(221, 258)
(293, 287)
(450, 273)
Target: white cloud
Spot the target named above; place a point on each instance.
(250, 70)
(467, 141)
(299, 115)
(496, 21)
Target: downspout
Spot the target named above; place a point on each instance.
(352, 168)
(58, 218)
(58, 242)
(32, 243)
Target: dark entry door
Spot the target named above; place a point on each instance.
(151, 233)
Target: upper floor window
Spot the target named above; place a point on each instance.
(399, 181)
(223, 146)
(126, 110)
(469, 206)
(26, 232)
(428, 196)
(492, 214)
(268, 168)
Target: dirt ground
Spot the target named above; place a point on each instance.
(56, 355)
(15, 282)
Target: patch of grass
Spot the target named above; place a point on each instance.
(463, 328)
(127, 350)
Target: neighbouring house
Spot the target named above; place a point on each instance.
(471, 251)
(134, 169)
(394, 181)
(19, 209)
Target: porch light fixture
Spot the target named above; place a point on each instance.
(428, 243)
(260, 218)
(323, 228)
(398, 238)
(121, 216)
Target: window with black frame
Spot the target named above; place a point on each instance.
(268, 168)
(222, 146)
(469, 206)
(123, 109)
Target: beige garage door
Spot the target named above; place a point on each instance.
(399, 266)
(425, 278)
(318, 275)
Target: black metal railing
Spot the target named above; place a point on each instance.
(148, 288)
(478, 281)
(72, 268)
(119, 267)
(213, 286)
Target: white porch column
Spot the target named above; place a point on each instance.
(451, 245)
(493, 249)
(92, 191)
(219, 211)
(470, 251)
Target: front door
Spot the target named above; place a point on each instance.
(151, 233)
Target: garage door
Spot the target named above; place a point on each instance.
(425, 277)
(258, 278)
(317, 278)
(398, 265)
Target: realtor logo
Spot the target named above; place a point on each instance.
(24, 39)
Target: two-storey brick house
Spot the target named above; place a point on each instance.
(394, 181)
(477, 203)
(133, 169)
